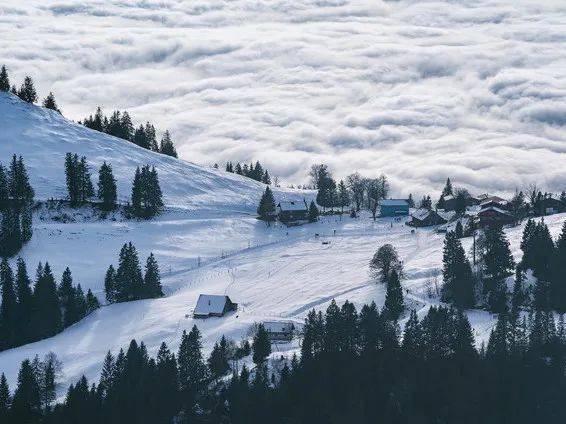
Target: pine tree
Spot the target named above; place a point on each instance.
(86, 187)
(92, 303)
(26, 223)
(110, 285)
(167, 391)
(218, 359)
(4, 80)
(384, 261)
(394, 304)
(193, 375)
(152, 279)
(166, 147)
(411, 201)
(126, 127)
(107, 191)
(313, 212)
(48, 386)
(457, 274)
(47, 318)
(413, 337)
(128, 280)
(8, 308)
(107, 376)
(26, 404)
(266, 179)
(67, 299)
(261, 345)
(4, 190)
(5, 399)
(80, 301)
(150, 137)
(140, 138)
(448, 190)
(343, 195)
(27, 91)
(558, 274)
(11, 238)
(147, 198)
(25, 303)
(459, 230)
(50, 103)
(266, 208)
(18, 183)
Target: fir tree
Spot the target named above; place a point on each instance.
(166, 147)
(394, 304)
(26, 223)
(92, 303)
(343, 195)
(5, 399)
(218, 359)
(558, 275)
(8, 308)
(4, 190)
(266, 208)
(47, 318)
(152, 279)
(413, 337)
(67, 299)
(193, 374)
(4, 80)
(313, 212)
(126, 128)
(261, 345)
(140, 138)
(26, 404)
(25, 303)
(107, 191)
(459, 230)
(146, 193)
(27, 91)
(457, 274)
(18, 183)
(50, 103)
(11, 238)
(110, 285)
(266, 179)
(150, 137)
(411, 201)
(128, 281)
(384, 261)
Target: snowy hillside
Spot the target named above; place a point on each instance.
(43, 137)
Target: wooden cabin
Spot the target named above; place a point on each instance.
(292, 212)
(494, 216)
(211, 305)
(279, 330)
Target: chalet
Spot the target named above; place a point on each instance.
(550, 205)
(393, 207)
(293, 212)
(279, 330)
(427, 217)
(211, 305)
(493, 201)
(494, 216)
(451, 202)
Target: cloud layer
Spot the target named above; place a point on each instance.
(474, 90)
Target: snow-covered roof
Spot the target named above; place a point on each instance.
(495, 209)
(292, 206)
(393, 202)
(278, 326)
(421, 213)
(210, 304)
(447, 215)
(451, 226)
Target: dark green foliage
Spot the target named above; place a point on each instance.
(458, 287)
(4, 190)
(193, 372)
(343, 196)
(50, 103)
(27, 91)
(558, 275)
(266, 208)
(107, 191)
(8, 308)
(261, 345)
(313, 212)
(447, 188)
(146, 193)
(19, 186)
(166, 146)
(79, 184)
(394, 304)
(26, 404)
(152, 280)
(24, 330)
(110, 284)
(47, 316)
(383, 262)
(218, 359)
(4, 80)
(5, 399)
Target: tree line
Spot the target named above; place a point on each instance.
(16, 204)
(255, 172)
(120, 125)
(146, 197)
(354, 366)
(28, 314)
(127, 282)
(27, 91)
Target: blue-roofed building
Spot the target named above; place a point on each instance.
(393, 207)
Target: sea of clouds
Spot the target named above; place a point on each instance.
(418, 90)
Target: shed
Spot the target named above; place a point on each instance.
(393, 207)
(279, 330)
(427, 217)
(494, 216)
(211, 305)
(290, 212)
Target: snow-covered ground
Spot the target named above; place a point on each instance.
(271, 272)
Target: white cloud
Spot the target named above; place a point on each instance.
(418, 90)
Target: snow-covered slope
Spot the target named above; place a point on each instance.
(43, 137)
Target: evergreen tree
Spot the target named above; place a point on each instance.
(150, 137)
(313, 212)
(107, 191)
(110, 285)
(86, 187)
(11, 238)
(413, 337)
(26, 223)
(152, 279)
(558, 277)
(266, 179)
(128, 281)
(168, 384)
(80, 301)
(448, 190)
(343, 195)
(459, 230)
(146, 193)
(166, 147)
(4, 80)
(24, 331)
(5, 399)
(261, 345)
(193, 375)
(8, 308)
(67, 299)
(47, 317)
(4, 190)
(126, 127)
(18, 183)
(394, 304)
(218, 359)
(26, 404)
(457, 274)
(27, 91)
(266, 208)
(92, 303)
(384, 261)
(50, 103)
(140, 138)
(411, 201)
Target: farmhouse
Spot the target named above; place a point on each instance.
(494, 216)
(427, 217)
(292, 212)
(393, 207)
(211, 305)
(279, 331)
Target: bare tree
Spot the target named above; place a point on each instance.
(357, 186)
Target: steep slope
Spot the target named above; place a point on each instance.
(43, 137)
